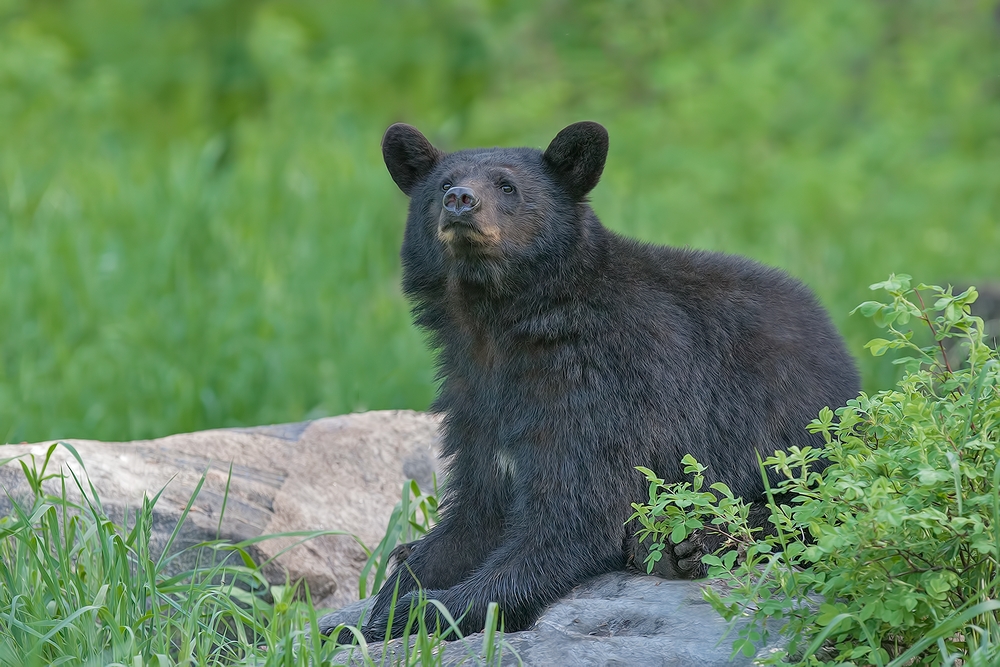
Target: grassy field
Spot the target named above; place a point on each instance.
(196, 229)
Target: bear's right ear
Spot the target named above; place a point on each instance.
(576, 157)
(408, 155)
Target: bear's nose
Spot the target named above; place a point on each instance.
(459, 200)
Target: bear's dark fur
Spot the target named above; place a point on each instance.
(569, 355)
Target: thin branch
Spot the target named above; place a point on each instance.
(926, 318)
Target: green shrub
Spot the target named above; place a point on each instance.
(891, 556)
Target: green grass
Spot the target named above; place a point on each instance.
(196, 229)
(78, 589)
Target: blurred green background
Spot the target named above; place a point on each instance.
(196, 229)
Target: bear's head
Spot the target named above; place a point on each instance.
(477, 213)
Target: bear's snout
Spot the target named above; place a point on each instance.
(459, 200)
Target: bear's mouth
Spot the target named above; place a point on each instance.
(465, 238)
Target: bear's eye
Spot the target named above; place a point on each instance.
(507, 188)
(446, 186)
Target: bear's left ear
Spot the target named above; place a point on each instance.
(576, 157)
(408, 155)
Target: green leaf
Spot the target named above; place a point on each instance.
(878, 346)
(896, 283)
(723, 489)
(869, 308)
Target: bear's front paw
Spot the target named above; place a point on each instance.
(686, 558)
(377, 627)
(346, 637)
(678, 561)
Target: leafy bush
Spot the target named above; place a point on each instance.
(891, 555)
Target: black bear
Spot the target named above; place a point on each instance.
(569, 355)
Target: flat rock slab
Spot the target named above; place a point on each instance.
(615, 619)
(346, 473)
(338, 473)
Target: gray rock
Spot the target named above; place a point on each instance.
(615, 619)
(340, 473)
(347, 473)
